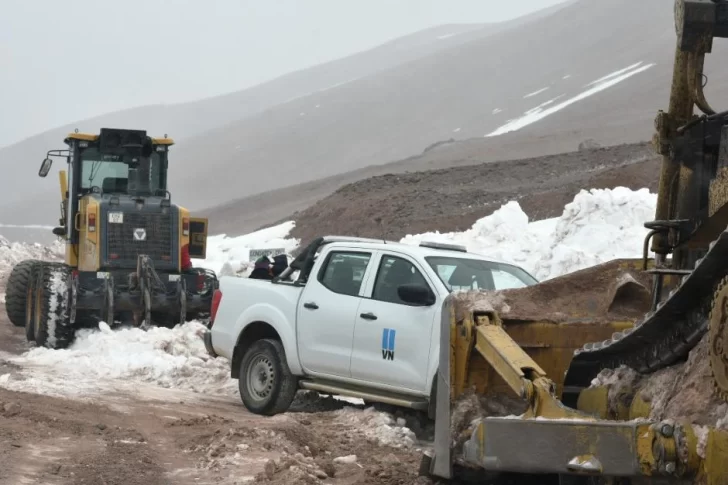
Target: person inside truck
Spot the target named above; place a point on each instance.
(262, 270)
(280, 263)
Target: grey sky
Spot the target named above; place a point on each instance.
(66, 61)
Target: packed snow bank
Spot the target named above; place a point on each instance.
(11, 253)
(170, 358)
(599, 225)
(378, 427)
(231, 255)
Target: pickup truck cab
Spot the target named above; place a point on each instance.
(349, 316)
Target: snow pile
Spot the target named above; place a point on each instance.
(229, 256)
(170, 358)
(596, 227)
(599, 225)
(11, 253)
(378, 427)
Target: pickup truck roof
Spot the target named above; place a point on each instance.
(425, 248)
(305, 260)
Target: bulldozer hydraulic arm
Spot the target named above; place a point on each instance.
(519, 371)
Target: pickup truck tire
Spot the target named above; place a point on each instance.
(266, 384)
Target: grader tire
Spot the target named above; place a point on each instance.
(53, 327)
(16, 291)
(30, 305)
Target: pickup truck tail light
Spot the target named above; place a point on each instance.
(216, 299)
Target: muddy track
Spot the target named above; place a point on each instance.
(152, 435)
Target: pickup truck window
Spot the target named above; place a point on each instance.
(343, 272)
(467, 274)
(392, 273)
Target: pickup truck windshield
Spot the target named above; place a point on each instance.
(474, 274)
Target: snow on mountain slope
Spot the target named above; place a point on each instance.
(104, 360)
(538, 113)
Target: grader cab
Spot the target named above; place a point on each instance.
(128, 247)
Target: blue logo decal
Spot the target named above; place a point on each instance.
(388, 335)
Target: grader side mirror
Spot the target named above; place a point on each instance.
(45, 167)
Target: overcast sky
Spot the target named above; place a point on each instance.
(62, 61)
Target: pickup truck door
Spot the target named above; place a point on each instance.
(327, 311)
(392, 339)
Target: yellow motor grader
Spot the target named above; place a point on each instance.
(128, 247)
(548, 348)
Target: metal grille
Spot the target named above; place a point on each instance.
(154, 238)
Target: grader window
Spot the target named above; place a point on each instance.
(110, 173)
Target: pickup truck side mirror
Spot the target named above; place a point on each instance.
(416, 295)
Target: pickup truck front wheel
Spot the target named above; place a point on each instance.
(266, 384)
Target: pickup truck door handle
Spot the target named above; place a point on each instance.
(311, 306)
(368, 316)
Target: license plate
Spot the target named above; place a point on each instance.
(116, 217)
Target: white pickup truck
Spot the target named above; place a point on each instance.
(349, 316)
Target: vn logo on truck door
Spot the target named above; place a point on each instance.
(388, 335)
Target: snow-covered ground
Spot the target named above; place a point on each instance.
(170, 358)
(597, 226)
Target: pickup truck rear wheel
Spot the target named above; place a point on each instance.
(266, 384)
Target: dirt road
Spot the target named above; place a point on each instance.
(131, 432)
